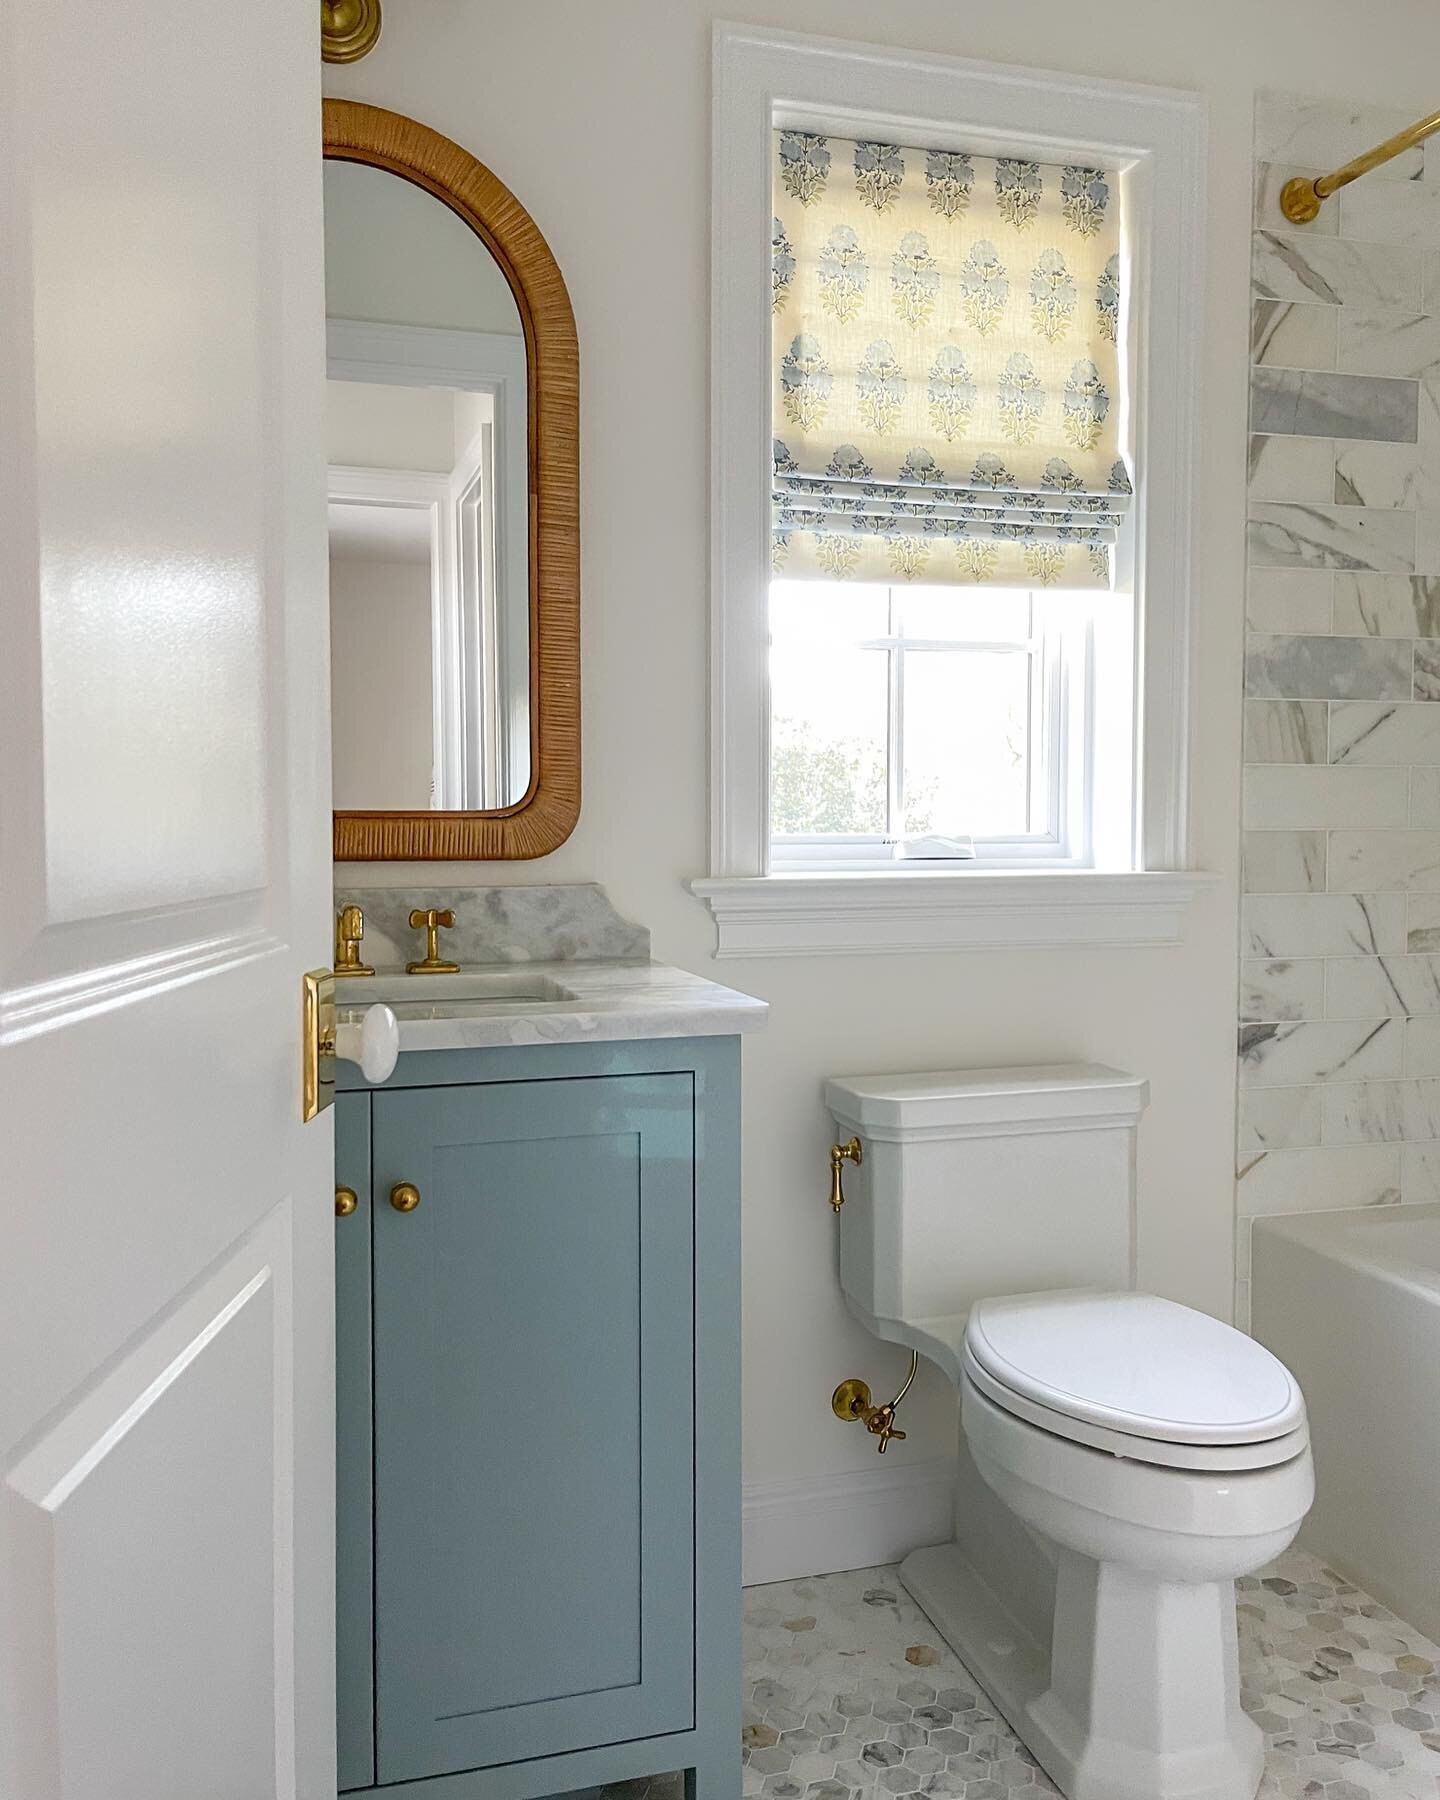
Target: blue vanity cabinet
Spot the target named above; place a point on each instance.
(355, 1591)
(552, 1425)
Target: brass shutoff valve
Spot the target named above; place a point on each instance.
(851, 1401)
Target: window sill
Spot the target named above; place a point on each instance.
(843, 914)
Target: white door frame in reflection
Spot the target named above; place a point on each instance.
(481, 625)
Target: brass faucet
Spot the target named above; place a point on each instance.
(430, 920)
(349, 935)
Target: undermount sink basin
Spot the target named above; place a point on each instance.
(468, 984)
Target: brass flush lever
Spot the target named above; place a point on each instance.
(840, 1154)
(851, 1401)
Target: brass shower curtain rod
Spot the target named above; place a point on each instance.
(1300, 198)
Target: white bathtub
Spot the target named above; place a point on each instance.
(1351, 1302)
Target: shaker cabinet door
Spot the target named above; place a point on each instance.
(534, 1419)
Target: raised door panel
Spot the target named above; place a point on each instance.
(166, 1411)
(534, 1419)
(354, 1486)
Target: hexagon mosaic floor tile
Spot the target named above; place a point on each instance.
(851, 1694)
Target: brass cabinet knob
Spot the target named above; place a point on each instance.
(346, 1200)
(404, 1196)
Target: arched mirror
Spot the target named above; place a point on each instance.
(452, 443)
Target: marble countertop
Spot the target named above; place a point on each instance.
(611, 1001)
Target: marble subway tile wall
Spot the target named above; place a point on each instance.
(1339, 1029)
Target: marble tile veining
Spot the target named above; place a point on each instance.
(1284, 1055)
(1277, 1119)
(1400, 476)
(1290, 535)
(1401, 736)
(519, 923)
(1336, 273)
(1282, 989)
(1294, 336)
(1293, 468)
(1316, 133)
(1379, 862)
(1400, 606)
(1328, 668)
(1377, 987)
(1343, 406)
(1319, 1180)
(1426, 672)
(1378, 341)
(609, 1003)
(1422, 923)
(1284, 862)
(1286, 731)
(851, 1694)
(1275, 925)
(1339, 1013)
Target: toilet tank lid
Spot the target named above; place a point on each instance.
(1029, 1094)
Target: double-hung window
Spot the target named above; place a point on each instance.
(951, 482)
(956, 650)
(920, 726)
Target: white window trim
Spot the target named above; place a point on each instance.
(825, 85)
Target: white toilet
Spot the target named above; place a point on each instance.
(1122, 1458)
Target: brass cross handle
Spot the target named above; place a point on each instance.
(881, 1421)
(430, 920)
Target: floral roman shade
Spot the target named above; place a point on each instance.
(946, 367)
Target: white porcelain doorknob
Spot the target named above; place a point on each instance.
(374, 1043)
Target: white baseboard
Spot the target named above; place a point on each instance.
(825, 1523)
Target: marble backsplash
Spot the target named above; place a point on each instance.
(1339, 1029)
(513, 924)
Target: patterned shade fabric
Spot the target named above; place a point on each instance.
(947, 404)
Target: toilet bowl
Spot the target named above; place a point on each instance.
(1122, 1458)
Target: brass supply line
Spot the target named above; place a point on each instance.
(1301, 198)
(851, 1402)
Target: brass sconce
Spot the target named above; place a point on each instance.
(348, 29)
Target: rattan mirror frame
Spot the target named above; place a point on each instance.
(545, 814)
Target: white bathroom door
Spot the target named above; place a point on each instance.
(166, 1222)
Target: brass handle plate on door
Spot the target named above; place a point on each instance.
(373, 1043)
(404, 1196)
(346, 1202)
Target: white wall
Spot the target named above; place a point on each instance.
(381, 705)
(395, 255)
(371, 425)
(599, 118)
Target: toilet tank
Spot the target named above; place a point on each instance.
(984, 1181)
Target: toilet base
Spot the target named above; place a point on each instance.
(1107, 1710)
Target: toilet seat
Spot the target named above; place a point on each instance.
(1137, 1376)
